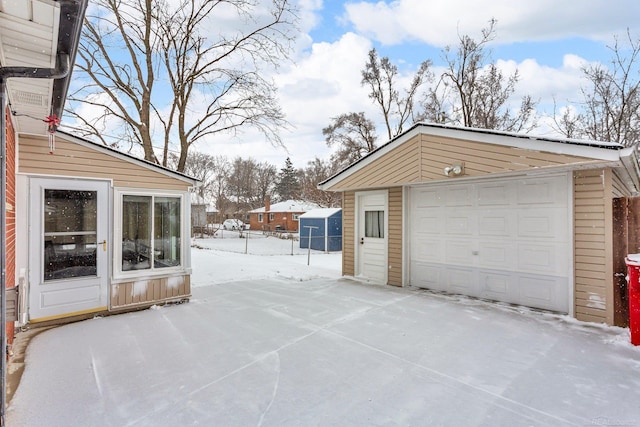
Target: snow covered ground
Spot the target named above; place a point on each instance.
(268, 341)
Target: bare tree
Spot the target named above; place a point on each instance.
(198, 165)
(220, 182)
(265, 180)
(473, 92)
(381, 77)
(159, 70)
(317, 171)
(355, 136)
(611, 107)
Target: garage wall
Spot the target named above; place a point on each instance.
(402, 165)
(424, 157)
(593, 245)
(348, 233)
(71, 159)
(395, 237)
(483, 159)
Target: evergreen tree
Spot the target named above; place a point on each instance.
(288, 184)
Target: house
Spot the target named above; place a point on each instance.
(281, 216)
(540, 222)
(323, 227)
(91, 230)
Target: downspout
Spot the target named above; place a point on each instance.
(61, 71)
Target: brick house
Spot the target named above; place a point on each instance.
(281, 216)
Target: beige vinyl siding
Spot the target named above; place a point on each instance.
(348, 233)
(75, 160)
(424, 157)
(395, 237)
(148, 292)
(399, 166)
(593, 245)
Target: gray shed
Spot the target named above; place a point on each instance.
(326, 229)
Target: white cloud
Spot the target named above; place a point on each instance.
(439, 22)
(322, 84)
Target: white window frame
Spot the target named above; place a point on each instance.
(271, 217)
(295, 216)
(260, 217)
(185, 259)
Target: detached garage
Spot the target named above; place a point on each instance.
(501, 216)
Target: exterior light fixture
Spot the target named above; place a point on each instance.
(454, 170)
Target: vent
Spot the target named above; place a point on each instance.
(29, 98)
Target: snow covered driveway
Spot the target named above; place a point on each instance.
(303, 347)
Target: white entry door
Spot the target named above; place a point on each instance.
(506, 239)
(68, 262)
(372, 230)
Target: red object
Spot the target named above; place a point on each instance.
(52, 122)
(633, 268)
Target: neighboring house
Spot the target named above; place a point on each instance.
(323, 227)
(533, 221)
(282, 216)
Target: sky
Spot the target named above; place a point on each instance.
(267, 340)
(546, 41)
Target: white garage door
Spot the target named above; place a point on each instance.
(505, 240)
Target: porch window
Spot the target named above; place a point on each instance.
(374, 224)
(151, 236)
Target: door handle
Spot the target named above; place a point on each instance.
(104, 245)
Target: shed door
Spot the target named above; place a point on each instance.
(371, 236)
(506, 240)
(67, 247)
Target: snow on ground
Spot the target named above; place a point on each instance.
(280, 258)
(268, 341)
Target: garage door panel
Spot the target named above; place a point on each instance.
(543, 292)
(429, 222)
(428, 276)
(542, 191)
(495, 286)
(458, 252)
(543, 223)
(496, 255)
(501, 223)
(460, 195)
(427, 198)
(495, 194)
(543, 259)
(461, 280)
(459, 224)
(428, 250)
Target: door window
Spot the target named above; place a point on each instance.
(374, 224)
(70, 234)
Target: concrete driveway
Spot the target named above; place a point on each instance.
(329, 352)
